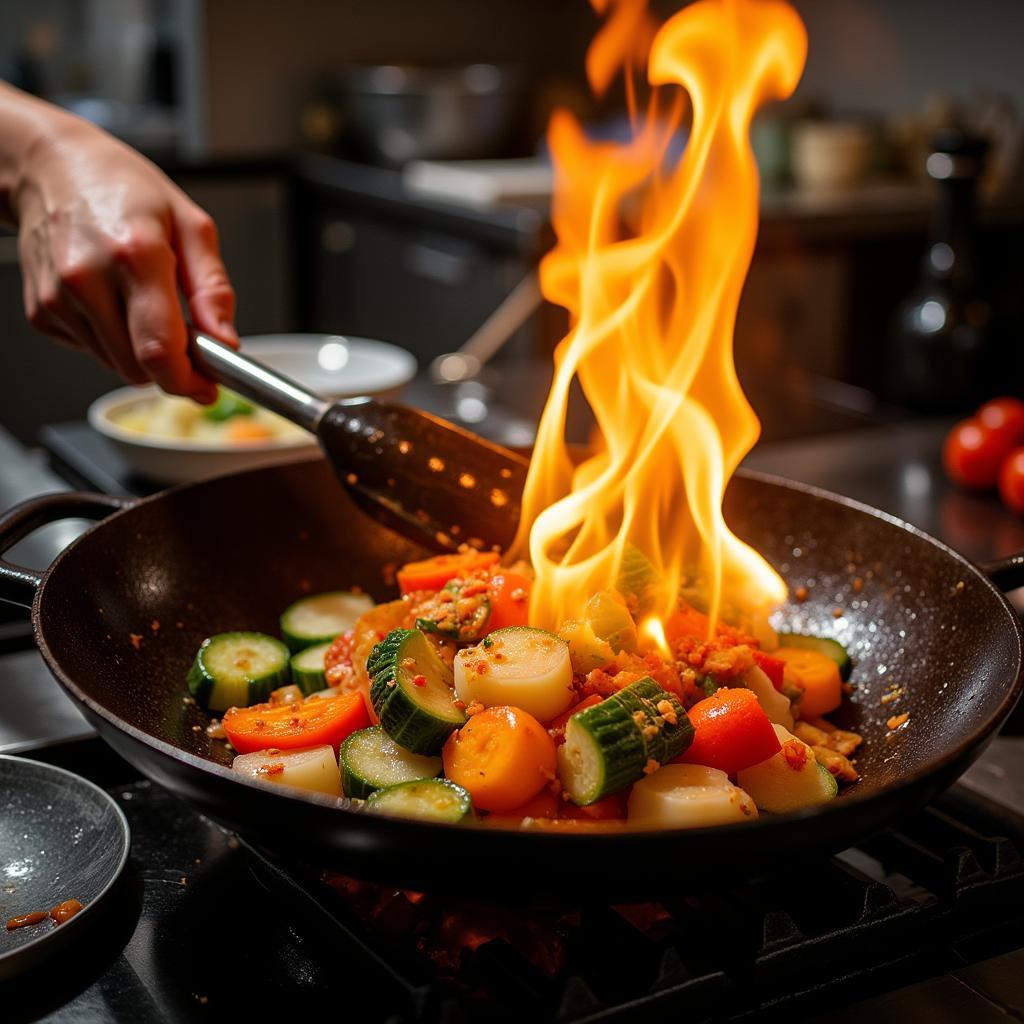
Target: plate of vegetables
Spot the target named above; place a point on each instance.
(447, 705)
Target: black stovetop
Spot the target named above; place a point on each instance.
(928, 916)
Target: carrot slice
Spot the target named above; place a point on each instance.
(817, 675)
(730, 732)
(503, 756)
(310, 723)
(434, 573)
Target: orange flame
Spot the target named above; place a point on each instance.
(650, 262)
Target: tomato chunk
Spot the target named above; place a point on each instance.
(730, 732)
(509, 595)
(309, 723)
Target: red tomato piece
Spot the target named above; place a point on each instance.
(772, 667)
(730, 732)
(973, 454)
(1004, 416)
(509, 595)
(309, 723)
(1011, 481)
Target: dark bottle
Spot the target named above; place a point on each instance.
(940, 341)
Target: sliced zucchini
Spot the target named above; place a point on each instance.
(457, 614)
(612, 744)
(320, 618)
(587, 650)
(518, 666)
(411, 692)
(309, 768)
(370, 759)
(774, 704)
(688, 796)
(237, 669)
(609, 617)
(823, 645)
(308, 668)
(638, 580)
(790, 779)
(426, 799)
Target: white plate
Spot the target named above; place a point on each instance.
(331, 365)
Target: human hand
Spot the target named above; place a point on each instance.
(105, 241)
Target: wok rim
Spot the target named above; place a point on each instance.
(926, 781)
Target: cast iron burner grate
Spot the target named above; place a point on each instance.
(943, 889)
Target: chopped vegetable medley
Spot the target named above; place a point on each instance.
(447, 705)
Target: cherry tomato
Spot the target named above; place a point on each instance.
(1005, 416)
(973, 454)
(510, 600)
(1011, 481)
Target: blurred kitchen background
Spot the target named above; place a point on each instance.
(888, 276)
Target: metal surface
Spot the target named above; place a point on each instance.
(61, 837)
(419, 474)
(120, 613)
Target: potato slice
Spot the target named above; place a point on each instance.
(314, 769)
(688, 796)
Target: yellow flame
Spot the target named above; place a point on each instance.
(652, 630)
(650, 262)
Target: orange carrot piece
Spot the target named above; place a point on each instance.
(309, 723)
(817, 675)
(502, 756)
(434, 573)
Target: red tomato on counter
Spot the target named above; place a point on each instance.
(973, 454)
(1011, 481)
(1004, 416)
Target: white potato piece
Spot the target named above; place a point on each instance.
(311, 768)
(519, 666)
(688, 796)
(790, 779)
(774, 704)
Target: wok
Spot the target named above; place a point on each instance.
(230, 553)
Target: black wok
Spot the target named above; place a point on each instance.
(230, 553)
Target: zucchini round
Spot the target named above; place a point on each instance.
(823, 645)
(308, 668)
(320, 618)
(426, 799)
(237, 669)
(610, 745)
(371, 760)
(411, 692)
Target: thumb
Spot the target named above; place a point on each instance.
(201, 274)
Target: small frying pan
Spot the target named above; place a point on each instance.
(120, 613)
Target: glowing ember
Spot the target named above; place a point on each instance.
(651, 257)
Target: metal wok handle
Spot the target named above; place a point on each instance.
(19, 584)
(1006, 573)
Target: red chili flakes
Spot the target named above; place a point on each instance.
(270, 769)
(136, 639)
(460, 704)
(794, 753)
(419, 680)
(651, 767)
(897, 720)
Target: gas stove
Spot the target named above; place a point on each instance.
(928, 914)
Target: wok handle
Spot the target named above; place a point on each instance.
(18, 584)
(1006, 573)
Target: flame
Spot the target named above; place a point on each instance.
(652, 630)
(650, 261)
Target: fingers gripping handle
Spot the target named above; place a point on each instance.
(19, 584)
